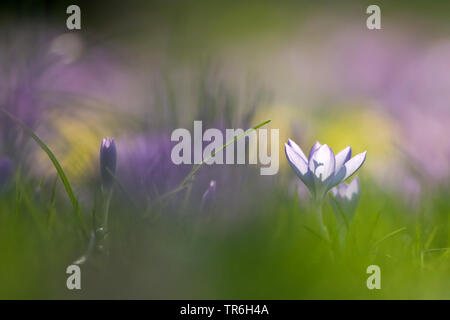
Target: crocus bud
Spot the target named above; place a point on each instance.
(209, 194)
(346, 197)
(108, 161)
(6, 169)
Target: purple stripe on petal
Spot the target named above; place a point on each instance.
(322, 163)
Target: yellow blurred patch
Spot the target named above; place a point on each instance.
(361, 127)
(75, 143)
(282, 117)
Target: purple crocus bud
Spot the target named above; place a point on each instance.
(6, 169)
(322, 170)
(108, 161)
(347, 197)
(209, 193)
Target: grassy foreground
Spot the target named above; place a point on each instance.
(268, 251)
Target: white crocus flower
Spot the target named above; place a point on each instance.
(322, 170)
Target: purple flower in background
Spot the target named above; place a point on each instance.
(6, 169)
(147, 169)
(322, 170)
(347, 197)
(108, 161)
(369, 65)
(419, 102)
(410, 80)
(147, 172)
(48, 73)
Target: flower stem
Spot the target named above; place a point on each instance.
(98, 235)
(319, 216)
(323, 228)
(107, 201)
(102, 231)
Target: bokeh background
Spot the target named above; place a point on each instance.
(137, 70)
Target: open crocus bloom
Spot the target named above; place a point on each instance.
(347, 197)
(322, 170)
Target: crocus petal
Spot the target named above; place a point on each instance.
(353, 189)
(335, 191)
(340, 170)
(314, 148)
(338, 177)
(341, 189)
(300, 167)
(297, 149)
(295, 160)
(352, 165)
(322, 163)
(342, 157)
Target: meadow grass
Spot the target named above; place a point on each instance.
(268, 252)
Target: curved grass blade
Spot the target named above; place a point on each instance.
(316, 234)
(436, 250)
(59, 169)
(181, 186)
(390, 235)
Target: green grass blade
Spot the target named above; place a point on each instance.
(436, 250)
(59, 169)
(194, 171)
(197, 167)
(390, 235)
(316, 234)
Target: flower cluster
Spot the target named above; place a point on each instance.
(322, 170)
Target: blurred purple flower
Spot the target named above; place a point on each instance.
(322, 170)
(48, 71)
(397, 178)
(368, 64)
(411, 81)
(147, 171)
(146, 166)
(419, 102)
(424, 82)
